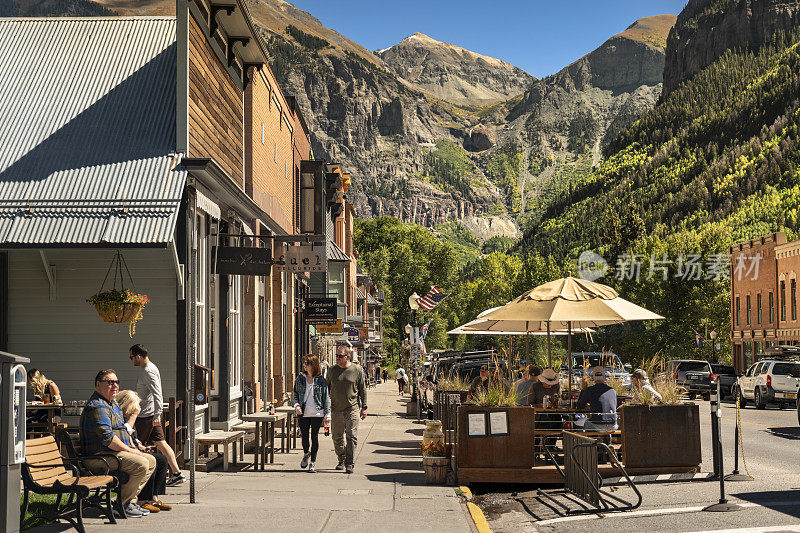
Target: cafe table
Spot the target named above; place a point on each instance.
(291, 426)
(265, 436)
(51, 409)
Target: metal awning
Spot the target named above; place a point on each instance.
(335, 253)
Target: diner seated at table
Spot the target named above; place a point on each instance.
(602, 402)
(546, 384)
(43, 389)
(639, 381)
(522, 386)
(130, 403)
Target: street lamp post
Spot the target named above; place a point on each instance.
(413, 303)
(713, 336)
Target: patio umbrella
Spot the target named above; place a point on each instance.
(566, 303)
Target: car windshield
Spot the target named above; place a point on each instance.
(590, 360)
(723, 369)
(786, 369)
(690, 366)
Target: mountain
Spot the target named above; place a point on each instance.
(705, 29)
(452, 73)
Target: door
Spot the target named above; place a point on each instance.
(746, 381)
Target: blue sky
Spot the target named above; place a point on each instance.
(539, 36)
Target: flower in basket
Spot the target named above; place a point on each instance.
(120, 306)
(435, 448)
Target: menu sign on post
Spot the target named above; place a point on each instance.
(242, 261)
(320, 310)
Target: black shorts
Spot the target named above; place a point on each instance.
(149, 429)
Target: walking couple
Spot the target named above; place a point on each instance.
(340, 398)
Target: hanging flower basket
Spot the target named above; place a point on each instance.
(119, 306)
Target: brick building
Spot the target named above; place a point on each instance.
(763, 296)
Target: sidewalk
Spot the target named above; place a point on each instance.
(387, 491)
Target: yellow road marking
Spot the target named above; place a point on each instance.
(479, 518)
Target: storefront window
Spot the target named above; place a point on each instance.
(201, 292)
(235, 333)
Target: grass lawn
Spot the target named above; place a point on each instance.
(39, 507)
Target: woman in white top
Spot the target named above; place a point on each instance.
(312, 403)
(639, 381)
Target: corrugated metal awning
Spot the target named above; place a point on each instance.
(335, 253)
(359, 294)
(88, 129)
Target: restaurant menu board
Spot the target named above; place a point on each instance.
(498, 423)
(476, 424)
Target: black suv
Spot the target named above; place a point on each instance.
(726, 376)
(692, 375)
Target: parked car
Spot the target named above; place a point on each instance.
(582, 362)
(726, 375)
(693, 375)
(770, 381)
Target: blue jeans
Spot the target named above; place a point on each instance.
(594, 426)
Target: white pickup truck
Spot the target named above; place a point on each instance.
(770, 381)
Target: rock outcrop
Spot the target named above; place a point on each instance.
(453, 73)
(705, 29)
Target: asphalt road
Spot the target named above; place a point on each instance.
(771, 501)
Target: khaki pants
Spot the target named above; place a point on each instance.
(138, 467)
(345, 423)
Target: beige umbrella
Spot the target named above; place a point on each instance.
(566, 303)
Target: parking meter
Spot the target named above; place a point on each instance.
(13, 382)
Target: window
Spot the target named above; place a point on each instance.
(793, 283)
(737, 311)
(758, 308)
(783, 301)
(747, 309)
(771, 308)
(235, 333)
(201, 293)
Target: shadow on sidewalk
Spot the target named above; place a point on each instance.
(411, 479)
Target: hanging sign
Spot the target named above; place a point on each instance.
(303, 259)
(320, 310)
(242, 261)
(329, 329)
(352, 334)
(363, 334)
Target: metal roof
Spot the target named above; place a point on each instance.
(88, 151)
(335, 253)
(372, 301)
(359, 294)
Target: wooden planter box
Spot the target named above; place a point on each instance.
(661, 435)
(513, 450)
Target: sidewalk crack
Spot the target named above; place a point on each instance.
(325, 523)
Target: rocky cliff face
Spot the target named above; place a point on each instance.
(705, 29)
(453, 73)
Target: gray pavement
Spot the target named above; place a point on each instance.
(771, 500)
(387, 491)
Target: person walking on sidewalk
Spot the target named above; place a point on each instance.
(348, 403)
(312, 403)
(148, 420)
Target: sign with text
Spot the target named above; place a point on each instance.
(320, 310)
(242, 261)
(363, 334)
(303, 259)
(352, 334)
(329, 329)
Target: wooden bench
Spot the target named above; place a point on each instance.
(216, 438)
(247, 428)
(44, 472)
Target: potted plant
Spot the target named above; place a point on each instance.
(435, 461)
(120, 306)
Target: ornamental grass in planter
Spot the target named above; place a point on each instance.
(120, 306)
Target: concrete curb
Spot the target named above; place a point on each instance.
(478, 518)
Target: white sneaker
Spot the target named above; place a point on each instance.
(311, 468)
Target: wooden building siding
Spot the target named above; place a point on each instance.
(216, 108)
(65, 338)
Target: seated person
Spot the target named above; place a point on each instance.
(43, 387)
(479, 384)
(602, 402)
(130, 403)
(639, 381)
(546, 385)
(534, 372)
(522, 387)
(103, 431)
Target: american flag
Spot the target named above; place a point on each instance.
(698, 339)
(432, 299)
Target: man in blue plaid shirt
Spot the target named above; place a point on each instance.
(103, 432)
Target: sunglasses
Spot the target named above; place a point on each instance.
(110, 381)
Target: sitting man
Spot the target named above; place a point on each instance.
(479, 385)
(103, 432)
(546, 384)
(602, 402)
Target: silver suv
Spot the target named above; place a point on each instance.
(770, 381)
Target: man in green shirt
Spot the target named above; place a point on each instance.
(348, 405)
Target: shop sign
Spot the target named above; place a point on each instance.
(320, 310)
(363, 334)
(303, 259)
(242, 261)
(329, 329)
(352, 334)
